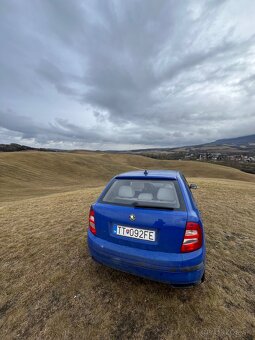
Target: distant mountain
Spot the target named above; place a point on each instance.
(14, 147)
(238, 141)
(227, 144)
(17, 147)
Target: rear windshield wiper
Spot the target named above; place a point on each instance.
(144, 205)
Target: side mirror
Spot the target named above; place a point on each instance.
(193, 186)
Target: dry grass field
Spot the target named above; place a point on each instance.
(32, 174)
(51, 289)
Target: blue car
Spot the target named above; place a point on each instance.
(147, 223)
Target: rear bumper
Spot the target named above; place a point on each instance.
(186, 268)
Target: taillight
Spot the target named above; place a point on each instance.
(92, 225)
(193, 237)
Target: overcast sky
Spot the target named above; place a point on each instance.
(126, 74)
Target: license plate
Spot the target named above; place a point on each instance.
(142, 234)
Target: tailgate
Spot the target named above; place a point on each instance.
(169, 226)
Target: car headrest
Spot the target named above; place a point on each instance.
(137, 185)
(166, 194)
(126, 191)
(145, 196)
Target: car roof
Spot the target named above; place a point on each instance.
(152, 174)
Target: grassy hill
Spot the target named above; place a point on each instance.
(29, 174)
(51, 289)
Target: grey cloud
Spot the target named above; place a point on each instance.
(62, 81)
(62, 130)
(58, 130)
(148, 72)
(121, 76)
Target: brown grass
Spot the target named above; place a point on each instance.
(51, 289)
(32, 174)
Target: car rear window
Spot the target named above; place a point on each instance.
(162, 194)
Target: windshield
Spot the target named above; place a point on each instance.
(165, 194)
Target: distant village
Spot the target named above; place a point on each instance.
(218, 156)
